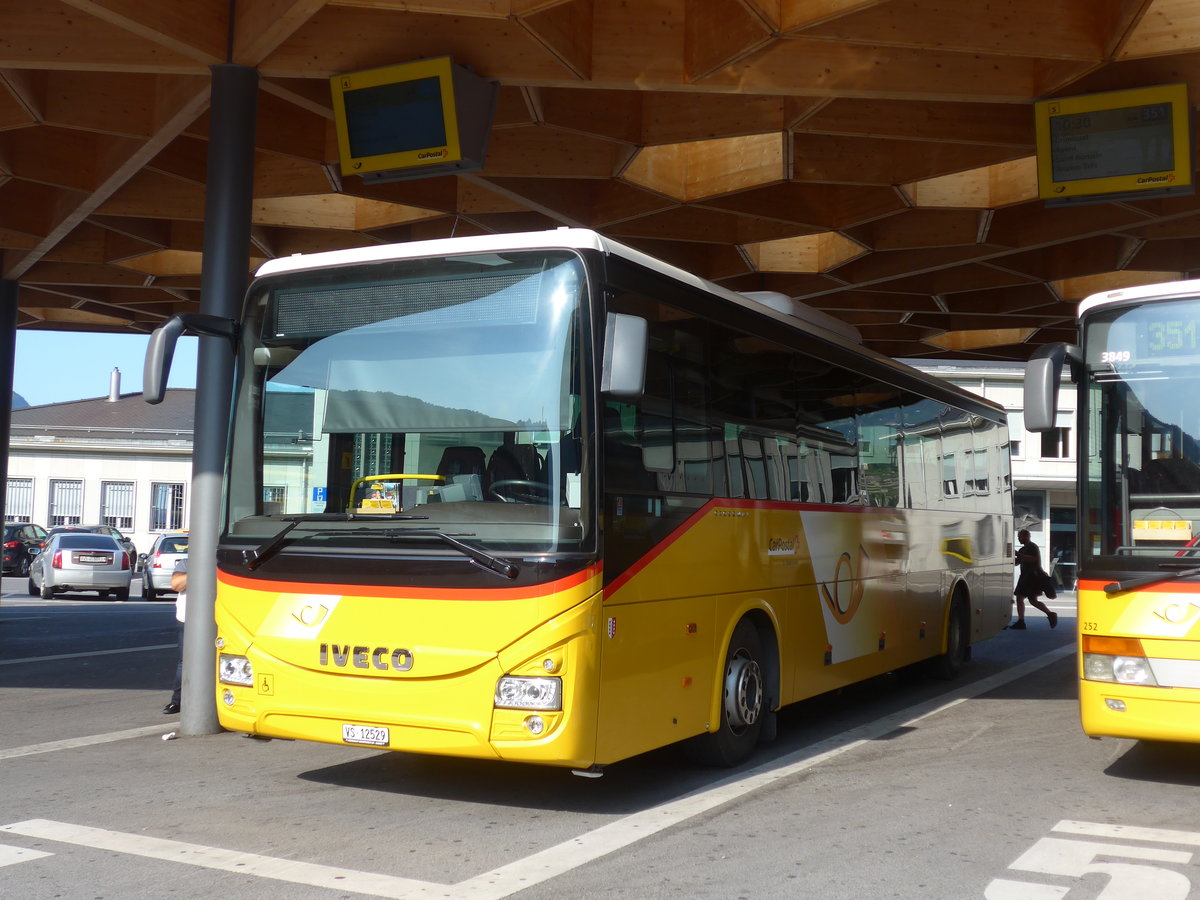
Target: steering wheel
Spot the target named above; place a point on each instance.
(527, 491)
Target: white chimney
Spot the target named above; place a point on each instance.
(114, 385)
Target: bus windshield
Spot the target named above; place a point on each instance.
(439, 390)
(1142, 486)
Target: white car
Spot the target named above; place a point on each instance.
(81, 561)
(159, 563)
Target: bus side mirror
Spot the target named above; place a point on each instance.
(161, 349)
(625, 343)
(1043, 375)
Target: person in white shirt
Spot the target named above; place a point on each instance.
(179, 585)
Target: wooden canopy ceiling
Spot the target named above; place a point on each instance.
(871, 157)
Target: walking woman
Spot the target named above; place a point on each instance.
(1032, 582)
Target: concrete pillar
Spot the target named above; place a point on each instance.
(227, 208)
(8, 356)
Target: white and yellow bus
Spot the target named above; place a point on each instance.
(1139, 506)
(540, 497)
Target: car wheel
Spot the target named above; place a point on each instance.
(33, 588)
(23, 567)
(47, 592)
(120, 594)
(148, 592)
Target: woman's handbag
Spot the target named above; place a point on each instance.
(1047, 585)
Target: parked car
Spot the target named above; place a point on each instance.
(159, 563)
(81, 561)
(125, 542)
(22, 541)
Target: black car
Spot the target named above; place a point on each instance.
(22, 541)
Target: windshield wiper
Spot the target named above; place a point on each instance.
(255, 558)
(480, 557)
(1118, 587)
(259, 555)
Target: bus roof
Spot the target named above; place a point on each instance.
(1161, 291)
(558, 238)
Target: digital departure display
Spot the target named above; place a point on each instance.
(1133, 142)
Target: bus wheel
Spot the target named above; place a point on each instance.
(958, 641)
(743, 705)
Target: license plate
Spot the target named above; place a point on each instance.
(93, 559)
(373, 735)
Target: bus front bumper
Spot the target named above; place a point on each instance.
(1140, 713)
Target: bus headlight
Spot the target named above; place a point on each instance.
(515, 692)
(235, 670)
(1118, 669)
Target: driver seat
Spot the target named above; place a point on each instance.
(515, 462)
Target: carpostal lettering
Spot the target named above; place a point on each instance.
(433, 154)
(363, 657)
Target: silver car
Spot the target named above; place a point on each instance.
(159, 564)
(80, 561)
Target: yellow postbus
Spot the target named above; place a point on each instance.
(1138, 550)
(540, 497)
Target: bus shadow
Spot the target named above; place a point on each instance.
(1159, 762)
(635, 784)
(627, 787)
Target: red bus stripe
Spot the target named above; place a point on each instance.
(362, 590)
(1165, 587)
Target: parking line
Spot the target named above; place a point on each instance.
(33, 659)
(287, 870)
(87, 741)
(12, 855)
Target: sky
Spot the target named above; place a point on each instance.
(54, 366)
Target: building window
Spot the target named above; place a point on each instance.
(1056, 443)
(949, 476)
(274, 493)
(1016, 434)
(18, 500)
(66, 502)
(116, 504)
(166, 507)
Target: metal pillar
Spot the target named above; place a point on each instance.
(8, 357)
(227, 208)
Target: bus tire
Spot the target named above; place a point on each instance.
(958, 640)
(743, 703)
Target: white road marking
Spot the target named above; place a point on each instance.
(287, 870)
(12, 855)
(1075, 858)
(33, 659)
(553, 861)
(1128, 832)
(87, 741)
